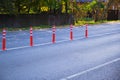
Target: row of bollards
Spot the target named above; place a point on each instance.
(31, 35)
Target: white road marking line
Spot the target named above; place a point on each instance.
(91, 69)
(34, 45)
(17, 48)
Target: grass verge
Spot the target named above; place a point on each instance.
(25, 28)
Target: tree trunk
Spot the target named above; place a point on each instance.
(95, 15)
(66, 7)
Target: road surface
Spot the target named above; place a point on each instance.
(94, 58)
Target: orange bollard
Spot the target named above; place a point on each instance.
(86, 31)
(71, 33)
(53, 34)
(31, 36)
(4, 40)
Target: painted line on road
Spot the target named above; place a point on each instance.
(34, 45)
(90, 69)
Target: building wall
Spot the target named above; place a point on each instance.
(113, 15)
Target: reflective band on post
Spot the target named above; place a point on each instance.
(54, 29)
(4, 37)
(31, 31)
(31, 34)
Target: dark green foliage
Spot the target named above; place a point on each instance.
(32, 6)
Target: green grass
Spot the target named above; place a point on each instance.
(25, 28)
(92, 22)
(79, 23)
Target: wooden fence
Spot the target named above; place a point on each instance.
(25, 20)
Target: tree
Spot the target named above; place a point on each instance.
(96, 7)
(33, 6)
(6, 7)
(108, 5)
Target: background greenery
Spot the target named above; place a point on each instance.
(82, 11)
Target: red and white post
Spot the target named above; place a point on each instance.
(86, 31)
(4, 40)
(31, 36)
(71, 32)
(53, 34)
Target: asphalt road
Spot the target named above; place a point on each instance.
(94, 58)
